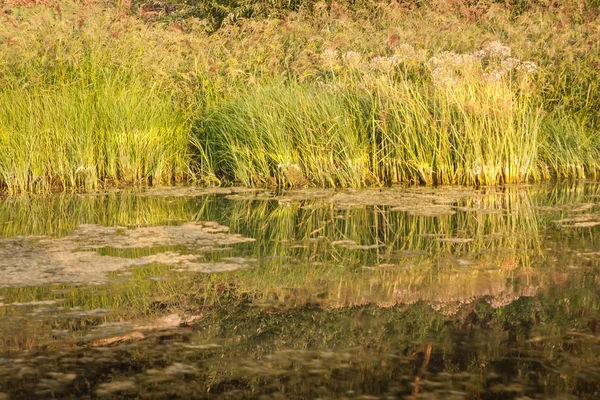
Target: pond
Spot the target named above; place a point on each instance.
(230, 293)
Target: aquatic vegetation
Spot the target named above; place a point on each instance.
(85, 102)
(76, 258)
(296, 93)
(286, 135)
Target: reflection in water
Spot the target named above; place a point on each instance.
(391, 293)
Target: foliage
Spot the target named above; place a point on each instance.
(349, 93)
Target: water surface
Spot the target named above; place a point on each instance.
(234, 293)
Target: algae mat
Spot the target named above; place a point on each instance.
(39, 260)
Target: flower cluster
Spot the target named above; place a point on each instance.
(450, 59)
(444, 77)
(330, 57)
(528, 66)
(352, 59)
(493, 76)
(404, 53)
(382, 64)
(493, 63)
(497, 49)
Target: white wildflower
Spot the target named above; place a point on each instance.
(404, 52)
(352, 58)
(443, 77)
(528, 66)
(492, 76)
(330, 57)
(444, 59)
(509, 64)
(497, 49)
(449, 59)
(383, 64)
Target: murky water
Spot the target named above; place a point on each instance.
(230, 293)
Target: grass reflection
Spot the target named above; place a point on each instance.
(494, 297)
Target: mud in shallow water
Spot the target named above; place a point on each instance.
(382, 293)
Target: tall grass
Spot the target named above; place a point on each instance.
(570, 149)
(319, 93)
(79, 108)
(472, 120)
(289, 135)
(80, 134)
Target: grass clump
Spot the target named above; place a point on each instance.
(80, 108)
(288, 135)
(85, 133)
(570, 149)
(471, 120)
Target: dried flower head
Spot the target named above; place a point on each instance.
(405, 52)
(330, 57)
(497, 49)
(352, 58)
(452, 60)
(509, 64)
(382, 64)
(528, 66)
(443, 77)
(492, 76)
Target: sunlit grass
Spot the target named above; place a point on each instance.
(473, 120)
(350, 94)
(85, 134)
(82, 105)
(287, 135)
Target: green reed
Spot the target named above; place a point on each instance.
(82, 107)
(82, 134)
(570, 148)
(325, 95)
(288, 135)
(424, 114)
(473, 121)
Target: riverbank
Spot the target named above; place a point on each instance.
(297, 94)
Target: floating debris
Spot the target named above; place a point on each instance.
(352, 245)
(35, 260)
(454, 240)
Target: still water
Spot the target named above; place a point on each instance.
(232, 293)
